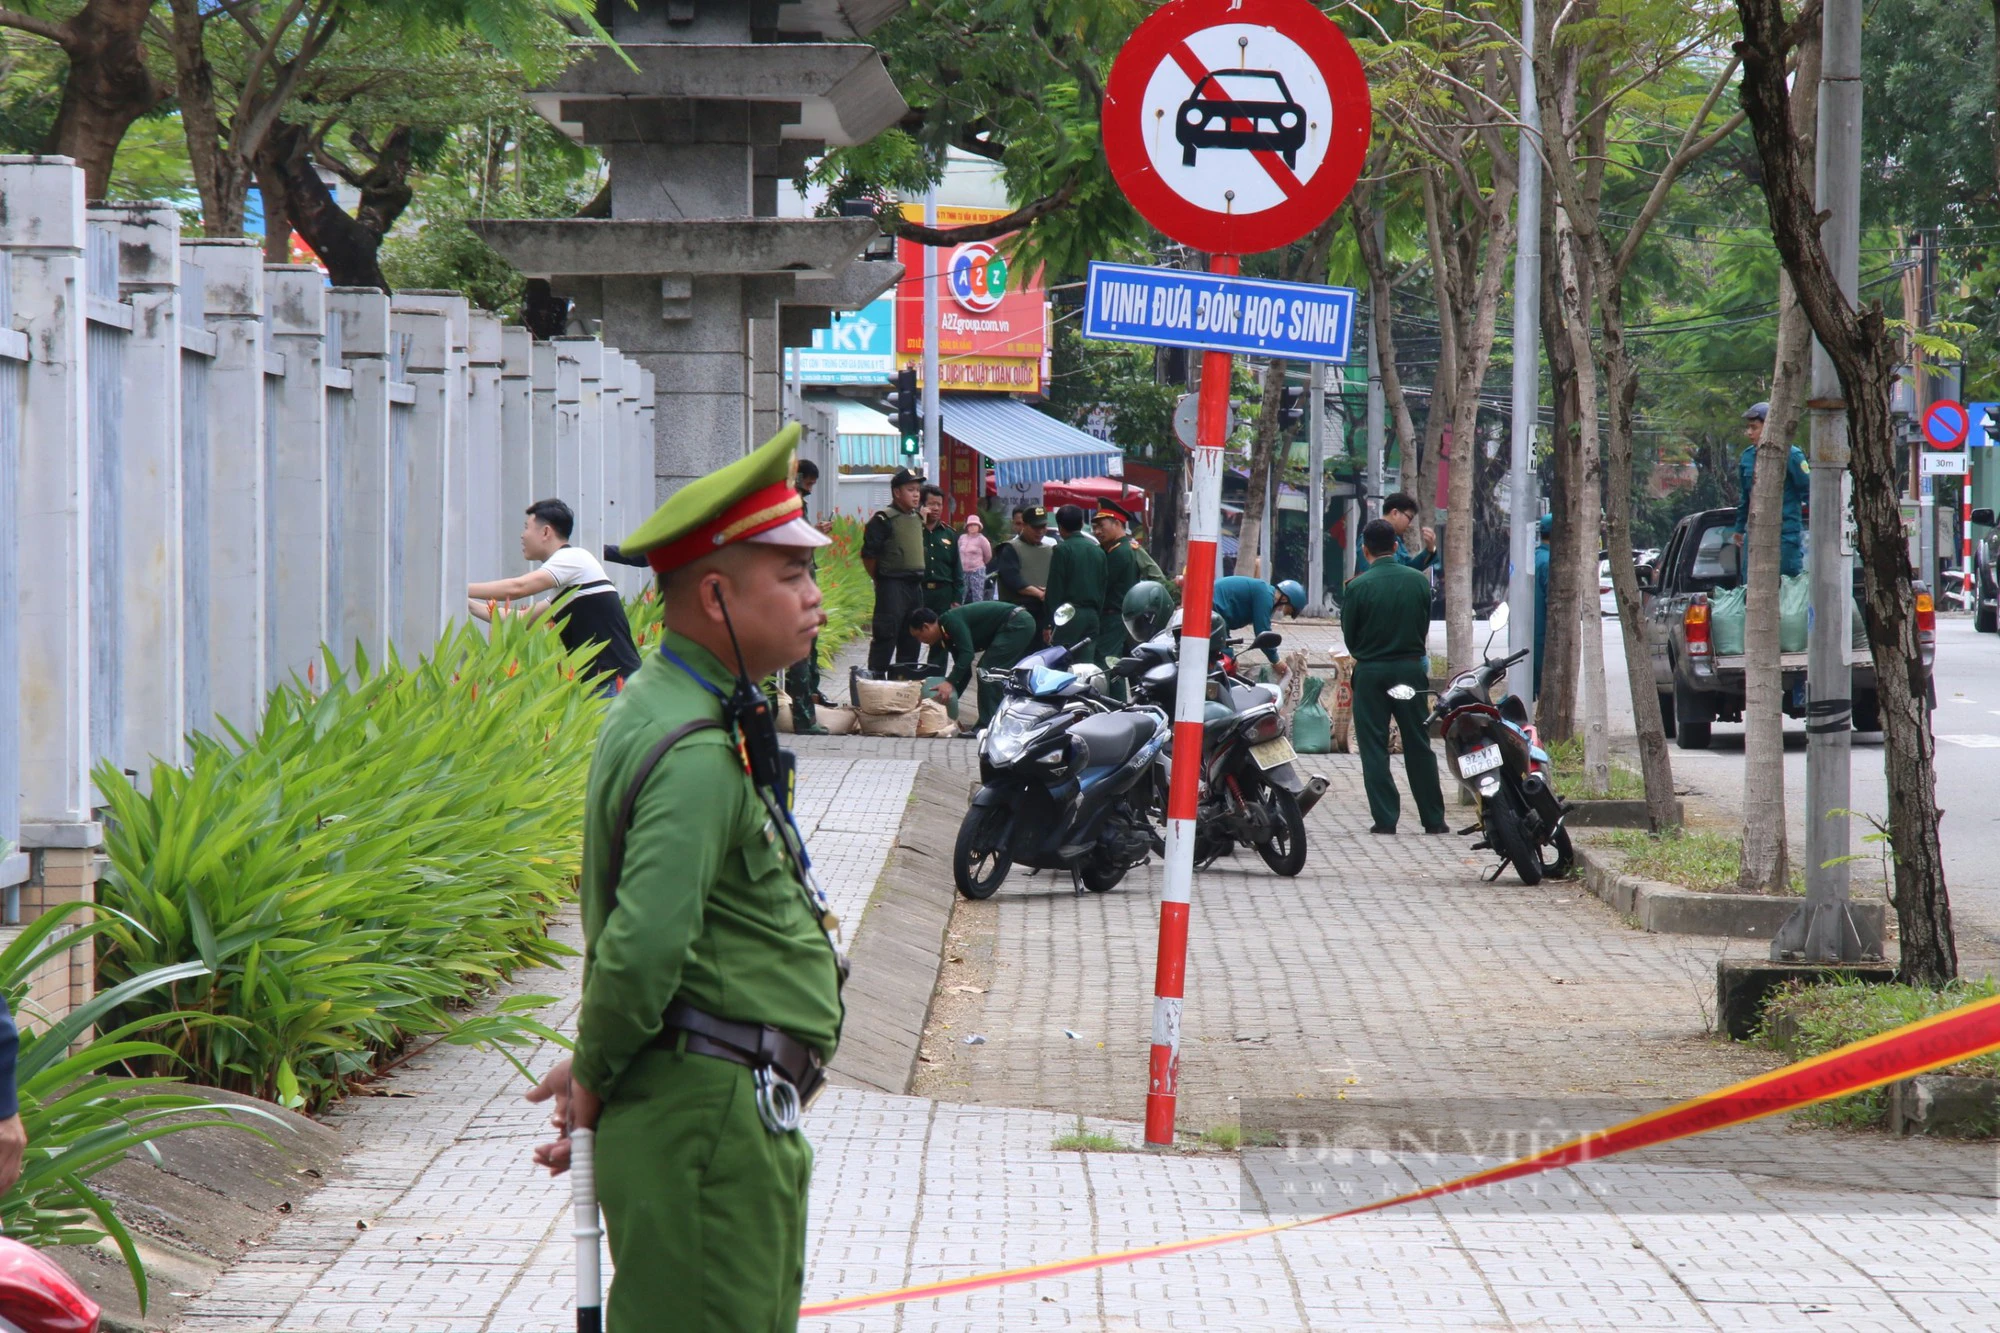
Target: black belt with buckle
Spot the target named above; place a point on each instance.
(752, 1045)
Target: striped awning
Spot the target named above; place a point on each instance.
(867, 438)
(1026, 447)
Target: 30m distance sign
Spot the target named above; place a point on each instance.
(1171, 307)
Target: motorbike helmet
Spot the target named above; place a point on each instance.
(1290, 590)
(1147, 609)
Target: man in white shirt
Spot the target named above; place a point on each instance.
(586, 605)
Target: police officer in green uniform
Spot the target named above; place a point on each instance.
(711, 980)
(1076, 580)
(999, 634)
(1385, 617)
(892, 551)
(944, 579)
(1021, 565)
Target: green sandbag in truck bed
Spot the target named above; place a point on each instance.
(1725, 621)
(1794, 597)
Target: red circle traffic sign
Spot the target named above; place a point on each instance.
(1946, 424)
(1236, 126)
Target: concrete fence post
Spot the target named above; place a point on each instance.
(611, 524)
(454, 533)
(588, 498)
(568, 444)
(517, 442)
(486, 529)
(424, 521)
(542, 464)
(234, 533)
(358, 518)
(42, 229)
(296, 506)
(151, 677)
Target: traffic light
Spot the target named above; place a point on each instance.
(908, 409)
(1291, 407)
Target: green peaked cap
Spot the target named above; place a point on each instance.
(701, 500)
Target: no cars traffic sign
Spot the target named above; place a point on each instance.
(1236, 126)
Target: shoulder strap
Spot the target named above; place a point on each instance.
(616, 862)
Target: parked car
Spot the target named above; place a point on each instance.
(1697, 686)
(1607, 598)
(1986, 574)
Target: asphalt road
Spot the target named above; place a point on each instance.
(1967, 726)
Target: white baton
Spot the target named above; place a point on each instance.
(583, 1195)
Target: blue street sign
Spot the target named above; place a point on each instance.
(1173, 307)
(1977, 436)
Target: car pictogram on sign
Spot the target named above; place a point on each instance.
(1210, 115)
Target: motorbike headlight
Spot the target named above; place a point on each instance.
(1007, 739)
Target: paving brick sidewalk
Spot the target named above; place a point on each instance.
(461, 1235)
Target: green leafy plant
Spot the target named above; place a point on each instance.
(380, 852)
(1704, 862)
(1804, 1020)
(82, 1111)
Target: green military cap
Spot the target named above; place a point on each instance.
(750, 500)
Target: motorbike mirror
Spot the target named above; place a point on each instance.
(1268, 640)
(1127, 668)
(1499, 617)
(1064, 614)
(1402, 692)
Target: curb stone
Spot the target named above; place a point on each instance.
(1665, 909)
(899, 941)
(1614, 814)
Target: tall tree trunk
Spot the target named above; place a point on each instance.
(1862, 350)
(1594, 719)
(277, 217)
(1381, 303)
(1654, 763)
(1263, 458)
(1765, 864)
(221, 177)
(106, 88)
(1555, 711)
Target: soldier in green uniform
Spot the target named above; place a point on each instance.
(892, 551)
(1385, 617)
(1021, 565)
(711, 981)
(944, 580)
(999, 634)
(1112, 527)
(1076, 580)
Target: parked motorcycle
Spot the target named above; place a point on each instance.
(1066, 782)
(1494, 753)
(1251, 791)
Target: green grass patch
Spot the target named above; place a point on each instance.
(1704, 862)
(1804, 1020)
(1086, 1140)
(1226, 1137)
(1566, 763)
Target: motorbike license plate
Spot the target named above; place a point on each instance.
(1474, 762)
(1269, 754)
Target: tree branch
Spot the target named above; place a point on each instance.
(1690, 149)
(1017, 220)
(39, 27)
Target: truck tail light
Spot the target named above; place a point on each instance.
(1694, 623)
(1926, 627)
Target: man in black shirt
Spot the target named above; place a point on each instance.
(586, 606)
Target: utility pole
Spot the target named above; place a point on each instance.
(1316, 489)
(931, 473)
(1522, 510)
(1378, 407)
(1821, 930)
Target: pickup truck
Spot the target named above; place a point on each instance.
(1697, 686)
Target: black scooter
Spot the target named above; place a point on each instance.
(1066, 782)
(1251, 791)
(1493, 752)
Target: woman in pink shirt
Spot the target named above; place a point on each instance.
(974, 552)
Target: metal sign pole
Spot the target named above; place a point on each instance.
(1522, 503)
(930, 390)
(1183, 793)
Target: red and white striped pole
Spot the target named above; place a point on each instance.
(1183, 794)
